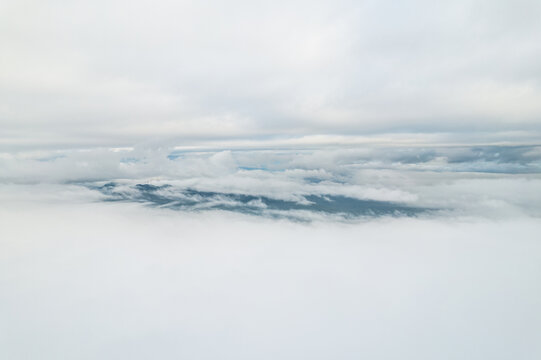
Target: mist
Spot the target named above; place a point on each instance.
(92, 280)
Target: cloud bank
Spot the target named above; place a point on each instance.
(486, 181)
(107, 281)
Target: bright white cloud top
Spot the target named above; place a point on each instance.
(95, 281)
(270, 180)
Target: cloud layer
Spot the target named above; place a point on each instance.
(487, 181)
(154, 153)
(108, 281)
(116, 73)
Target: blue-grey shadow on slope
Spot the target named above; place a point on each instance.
(188, 199)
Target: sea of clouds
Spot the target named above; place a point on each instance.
(270, 179)
(485, 181)
(92, 266)
(94, 280)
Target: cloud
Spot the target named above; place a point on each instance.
(326, 112)
(108, 281)
(486, 181)
(116, 74)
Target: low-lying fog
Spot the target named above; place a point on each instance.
(84, 279)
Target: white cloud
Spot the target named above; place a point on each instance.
(116, 74)
(492, 181)
(419, 103)
(112, 281)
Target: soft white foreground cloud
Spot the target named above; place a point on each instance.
(116, 72)
(108, 281)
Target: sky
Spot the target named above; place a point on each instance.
(270, 179)
(118, 73)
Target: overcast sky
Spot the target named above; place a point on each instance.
(116, 73)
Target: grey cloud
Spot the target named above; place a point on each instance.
(493, 181)
(116, 74)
